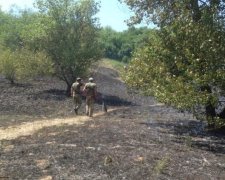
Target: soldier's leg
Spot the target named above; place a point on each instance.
(75, 103)
(87, 106)
(91, 107)
(87, 110)
(79, 102)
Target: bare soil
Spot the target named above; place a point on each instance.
(137, 139)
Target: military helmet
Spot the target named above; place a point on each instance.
(78, 79)
(91, 79)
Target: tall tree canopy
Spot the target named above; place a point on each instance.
(71, 31)
(164, 12)
(184, 63)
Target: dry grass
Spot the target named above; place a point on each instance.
(30, 128)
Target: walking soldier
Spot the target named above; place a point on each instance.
(76, 94)
(91, 92)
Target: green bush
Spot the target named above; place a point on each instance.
(8, 65)
(22, 64)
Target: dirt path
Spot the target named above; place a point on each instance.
(30, 128)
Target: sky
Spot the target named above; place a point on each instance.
(112, 13)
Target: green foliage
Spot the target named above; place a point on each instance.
(23, 29)
(188, 141)
(9, 30)
(121, 45)
(183, 64)
(111, 42)
(63, 35)
(21, 56)
(71, 39)
(164, 12)
(23, 64)
(8, 65)
(32, 30)
(161, 165)
(31, 64)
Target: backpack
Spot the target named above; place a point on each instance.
(90, 89)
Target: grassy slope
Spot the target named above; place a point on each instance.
(110, 63)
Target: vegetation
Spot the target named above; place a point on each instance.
(19, 58)
(121, 45)
(114, 64)
(64, 38)
(70, 37)
(22, 64)
(183, 64)
(161, 165)
(61, 38)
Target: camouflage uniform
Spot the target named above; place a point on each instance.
(76, 94)
(90, 89)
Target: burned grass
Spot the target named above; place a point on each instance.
(137, 139)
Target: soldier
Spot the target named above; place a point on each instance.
(91, 91)
(76, 94)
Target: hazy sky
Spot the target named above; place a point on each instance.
(112, 13)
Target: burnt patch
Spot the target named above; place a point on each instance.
(114, 101)
(51, 94)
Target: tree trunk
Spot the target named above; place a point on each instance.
(12, 81)
(195, 10)
(210, 115)
(222, 114)
(68, 90)
(209, 108)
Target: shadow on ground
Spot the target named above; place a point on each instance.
(194, 133)
(111, 100)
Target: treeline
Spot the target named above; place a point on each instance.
(62, 38)
(121, 45)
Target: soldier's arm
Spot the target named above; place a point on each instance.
(71, 90)
(84, 87)
(95, 92)
(84, 90)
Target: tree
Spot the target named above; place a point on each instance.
(121, 45)
(9, 31)
(111, 42)
(183, 64)
(71, 36)
(132, 39)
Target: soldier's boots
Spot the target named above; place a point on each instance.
(76, 111)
